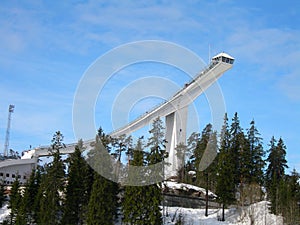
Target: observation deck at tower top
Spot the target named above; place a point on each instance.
(191, 90)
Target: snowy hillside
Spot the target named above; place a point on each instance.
(187, 187)
(4, 212)
(257, 213)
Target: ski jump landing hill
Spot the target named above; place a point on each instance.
(174, 111)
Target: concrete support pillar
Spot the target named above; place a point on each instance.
(176, 123)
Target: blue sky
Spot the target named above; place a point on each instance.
(45, 48)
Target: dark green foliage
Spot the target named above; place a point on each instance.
(28, 211)
(77, 193)
(103, 202)
(120, 147)
(202, 146)
(134, 205)
(275, 172)
(141, 204)
(99, 158)
(84, 196)
(52, 186)
(257, 153)
(14, 201)
(288, 198)
(225, 188)
(2, 195)
(237, 144)
(204, 156)
(156, 143)
(102, 206)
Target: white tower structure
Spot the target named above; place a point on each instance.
(174, 111)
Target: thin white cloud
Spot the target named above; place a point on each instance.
(290, 86)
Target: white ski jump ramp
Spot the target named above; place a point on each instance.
(174, 110)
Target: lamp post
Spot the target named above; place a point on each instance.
(206, 196)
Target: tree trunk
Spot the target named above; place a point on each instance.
(223, 213)
(206, 197)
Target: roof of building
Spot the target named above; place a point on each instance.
(223, 54)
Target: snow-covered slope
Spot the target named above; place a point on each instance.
(4, 212)
(186, 187)
(257, 213)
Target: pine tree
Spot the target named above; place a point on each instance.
(27, 209)
(77, 196)
(292, 213)
(52, 185)
(120, 147)
(102, 206)
(275, 171)
(36, 207)
(192, 142)
(134, 203)
(156, 143)
(103, 202)
(2, 195)
(236, 145)
(257, 154)
(225, 188)
(244, 173)
(199, 151)
(14, 201)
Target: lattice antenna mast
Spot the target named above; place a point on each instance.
(6, 144)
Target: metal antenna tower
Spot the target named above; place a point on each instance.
(6, 144)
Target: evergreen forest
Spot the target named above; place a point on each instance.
(234, 164)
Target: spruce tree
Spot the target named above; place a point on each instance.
(40, 176)
(291, 209)
(275, 171)
(2, 194)
(27, 208)
(225, 189)
(199, 152)
(156, 144)
(52, 185)
(102, 206)
(192, 142)
(102, 202)
(76, 196)
(134, 204)
(236, 142)
(14, 201)
(257, 153)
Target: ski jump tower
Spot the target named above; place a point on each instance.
(175, 110)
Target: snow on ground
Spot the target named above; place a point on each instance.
(186, 187)
(258, 212)
(4, 212)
